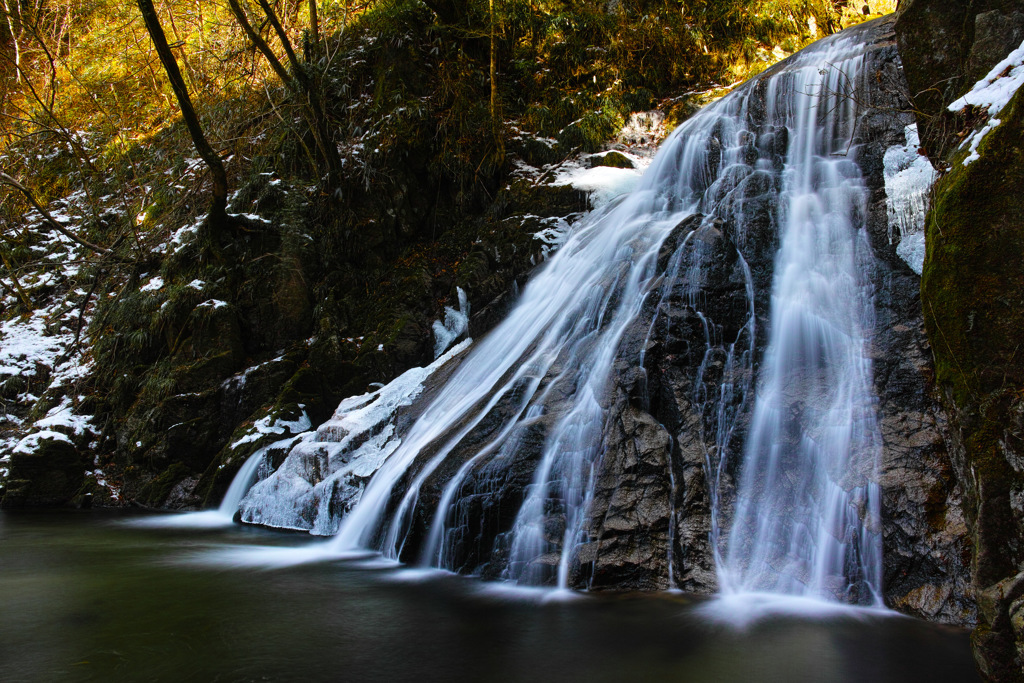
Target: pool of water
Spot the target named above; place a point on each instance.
(84, 596)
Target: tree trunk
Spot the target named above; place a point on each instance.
(298, 81)
(314, 28)
(14, 38)
(217, 217)
(494, 77)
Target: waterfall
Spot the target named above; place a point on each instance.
(224, 515)
(498, 473)
(807, 518)
(241, 483)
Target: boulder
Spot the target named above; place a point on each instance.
(46, 470)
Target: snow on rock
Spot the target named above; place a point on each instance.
(30, 444)
(180, 237)
(553, 236)
(601, 183)
(992, 93)
(456, 323)
(239, 380)
(909, 177)
(326, 471)
(63, 418)
(272, 424)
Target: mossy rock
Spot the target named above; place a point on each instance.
(48, 476)
(543, 199)
(611, 159)
(972, 292)
(973, 283)
(158, 489)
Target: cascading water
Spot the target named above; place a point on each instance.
(807, 518)
(225, 513)
(499, 473)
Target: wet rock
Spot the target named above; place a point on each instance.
(631, 549)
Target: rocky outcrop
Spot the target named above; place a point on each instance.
(973, 289)
(973, 293)
(947, 45)
(49, 473)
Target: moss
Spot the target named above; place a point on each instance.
(972, 292)
(156, 491)
(972, 285)
(612, 160)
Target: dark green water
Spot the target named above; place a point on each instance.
(83, 597)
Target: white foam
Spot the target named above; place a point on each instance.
(741, 610)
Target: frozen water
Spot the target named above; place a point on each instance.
(909, 177)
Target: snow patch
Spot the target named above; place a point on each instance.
(30, 444)
(153, 285)
(992, 93)
(553, 236)
(274, 425)
(25, 345)
(601, 183)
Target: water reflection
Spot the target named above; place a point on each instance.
(85, 598)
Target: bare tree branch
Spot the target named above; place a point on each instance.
(50, 220)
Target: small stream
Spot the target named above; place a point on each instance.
(87, 597)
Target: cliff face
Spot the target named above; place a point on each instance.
(973, 296)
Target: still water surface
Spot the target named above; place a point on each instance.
(85, 597)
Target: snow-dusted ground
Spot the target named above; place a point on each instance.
(37, 357)
(45, 353)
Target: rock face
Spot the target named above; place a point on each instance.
(701, 393)
(49, 474)
(947, 45)
(972, 290)
(974, 293)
